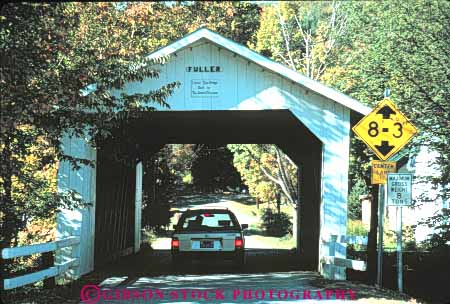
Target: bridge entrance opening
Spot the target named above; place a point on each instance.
(116, 211)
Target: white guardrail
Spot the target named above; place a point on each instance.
(331, 259)
(52, 271)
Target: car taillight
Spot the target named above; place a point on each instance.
(175, 243)
(238, 243)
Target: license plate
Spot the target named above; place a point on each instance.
(206, 244)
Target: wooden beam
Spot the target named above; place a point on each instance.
(355, 239)
(63, 267)
(10, 253)
(39, 275)
(347, 239)
(341, 262)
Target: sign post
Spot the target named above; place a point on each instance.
(386, 131)
(399, 194)
(399, 250)
(380, 169)
(381, 198)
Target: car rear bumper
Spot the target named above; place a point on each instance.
(212, 255)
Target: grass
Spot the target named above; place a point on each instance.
(285, 242)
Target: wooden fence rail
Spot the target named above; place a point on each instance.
(51, 272)
(331, 259)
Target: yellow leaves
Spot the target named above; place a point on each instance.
(49, 173)
(268, 159)
(102, 5)
(221, 23)
(24, 127)
(39, 231)
(17, 185)
(83, 30)
(33, 82)
(138, 13)
(122, 51)
(230, 11)
(253, 164)
(264, 191)
(31, 158)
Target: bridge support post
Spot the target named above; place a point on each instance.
(334, 198)
(138, 208)
(81, 221)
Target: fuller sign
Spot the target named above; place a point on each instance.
(385, 130)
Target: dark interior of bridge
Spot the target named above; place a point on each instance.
(114, 223)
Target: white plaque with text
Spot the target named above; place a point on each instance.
(205, 88)
(399, 187)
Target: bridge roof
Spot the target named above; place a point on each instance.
(315, 86)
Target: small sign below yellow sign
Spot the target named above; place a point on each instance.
(385, 130)
(380, 169)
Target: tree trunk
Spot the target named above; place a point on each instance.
(295, 228)
(372, 237)
(278, 198)
(297, 209)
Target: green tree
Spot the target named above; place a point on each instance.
(213, 169)
(402, 46)
(51, 54)
(159, 189)
(267, 172)
(181, 159)
(354, 204)
(238, 21)
(440, 238)
(303, 35)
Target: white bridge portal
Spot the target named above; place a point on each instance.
(231, 94)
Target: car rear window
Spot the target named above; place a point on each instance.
(207, 220)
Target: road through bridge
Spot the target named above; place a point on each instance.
(270, 276)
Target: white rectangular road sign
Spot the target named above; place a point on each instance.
(399, 187)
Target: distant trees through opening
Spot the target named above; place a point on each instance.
(240, 177)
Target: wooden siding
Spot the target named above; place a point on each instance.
(115, 216)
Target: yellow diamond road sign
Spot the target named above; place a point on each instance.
(385, 130)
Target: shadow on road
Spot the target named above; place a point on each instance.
(266, 270)
(275, 269)
(193, 200)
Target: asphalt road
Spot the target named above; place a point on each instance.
(270, 276)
